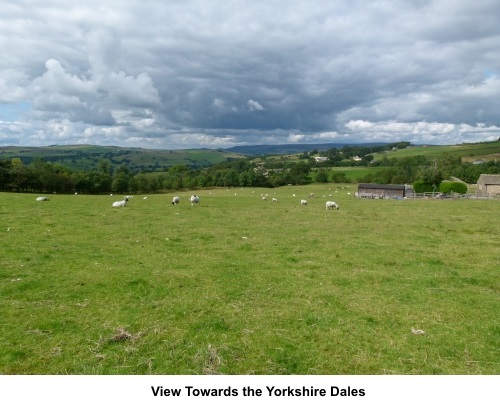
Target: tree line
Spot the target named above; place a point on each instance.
(40, 176)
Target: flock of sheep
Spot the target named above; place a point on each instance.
(329, 204)
(195, 200)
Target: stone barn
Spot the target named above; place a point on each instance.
(368, 190)
(488, 185)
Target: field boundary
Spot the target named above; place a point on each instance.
(455, 196)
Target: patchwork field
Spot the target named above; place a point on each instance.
(237, 285)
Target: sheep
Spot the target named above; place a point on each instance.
(303, 202)
(121, 203)
(194, 199)
(275, 199)
(264, 198)
(176, 200)
(42, 199)
(330, 205)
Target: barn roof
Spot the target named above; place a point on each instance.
(382, 186)
(489, 179)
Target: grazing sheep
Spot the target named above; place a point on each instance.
(264, 198)
(303, 202)
(330, 205)
(194, 199)
(176, 200)
(42, 199)
(122, 203)
(275, 199)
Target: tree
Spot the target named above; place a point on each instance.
(104, 166)
(231, 178)
(341, 177)
(453, 186)
(19, 175)
(5, 173)
(432, 175)
(321, 177)
(120, 183)
(121, 179)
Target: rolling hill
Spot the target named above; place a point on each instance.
(85, 157)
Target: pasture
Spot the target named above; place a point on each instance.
(467, 151)
(237, 285)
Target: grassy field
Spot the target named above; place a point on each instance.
(468, 151)
(238, 285)
(354, 174)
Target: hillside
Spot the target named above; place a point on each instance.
(85, 157)
(469, 152)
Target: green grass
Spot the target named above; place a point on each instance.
(356, 173)
(469, 152)
(238, 285)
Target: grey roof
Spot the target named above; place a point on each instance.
(489, 179)
(382, 186)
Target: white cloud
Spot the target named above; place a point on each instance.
(423, 132)
(296, 138)
(254, 105)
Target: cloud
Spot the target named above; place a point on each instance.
(196, 74)
(254, 105)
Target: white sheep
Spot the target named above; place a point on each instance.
(176, 200)
(121, 203)
(264, 198)
(303, 202)
(194, 199)
(330, 205)
(275, 199)
(42, 199)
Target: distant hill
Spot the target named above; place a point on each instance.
(86, 157)
(292, 148)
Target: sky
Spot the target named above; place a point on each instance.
(179, 74)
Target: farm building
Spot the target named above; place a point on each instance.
(488, 184)
(320, 158)
(367, 190)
